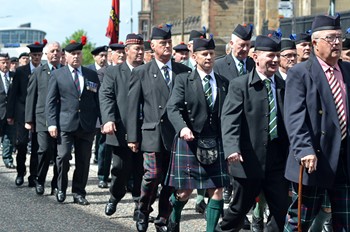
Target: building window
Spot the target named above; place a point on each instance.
(144, 29)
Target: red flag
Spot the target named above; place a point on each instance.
(113, 23)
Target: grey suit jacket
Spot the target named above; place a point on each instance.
(148, 88)
(4, 96)
(66, 108)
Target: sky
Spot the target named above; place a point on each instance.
(61, 18)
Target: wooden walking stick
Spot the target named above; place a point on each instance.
(300, 196)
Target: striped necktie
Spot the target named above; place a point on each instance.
(272, 111)
(208, 93)
(166, 75)
(241, 68)
(7, 82)
(76, 79)
(338, 100)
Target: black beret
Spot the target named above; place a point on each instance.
(181, 47)
(243, 32)
(266, 43)
(75, 46)
(97, 50)
(197, 34)
(203, 44)
(325, 22)
(36, 47)
(14, 59)
(147, 45)
(346, 41)
(117, 46)
(301, 38)
(5, 55)
(23, 54)
(161, 32)
(287, 44)
(133, 39)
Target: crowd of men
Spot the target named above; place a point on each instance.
(167, 120)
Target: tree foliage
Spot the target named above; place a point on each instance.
(89, 46)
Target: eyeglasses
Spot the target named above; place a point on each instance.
(332, 38)
(289, 56)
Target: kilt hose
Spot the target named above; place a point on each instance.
(185, 171)
(155, 165)
(313, 199)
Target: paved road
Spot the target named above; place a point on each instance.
(22, 210)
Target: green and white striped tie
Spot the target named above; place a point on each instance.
(272, 111)
(208, 91)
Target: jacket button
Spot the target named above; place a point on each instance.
(161, 120)
(318, 151)
(189, 111)
(192, 119)
(160, 107)
(320, 112)
(323, 132)
(79, 110)
(79, 99)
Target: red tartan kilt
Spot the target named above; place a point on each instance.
(185, 172)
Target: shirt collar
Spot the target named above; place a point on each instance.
(160, 64)
(263, 77)
(203, 74)
(326, 66)
(71, 69)
(130, 66)
(237, 61)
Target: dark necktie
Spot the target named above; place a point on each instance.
(272, 111)
(7, 82)
(208, 93)
(166, 75)
(53, 68)
(76, 79)
(338, 100)
(241, 68)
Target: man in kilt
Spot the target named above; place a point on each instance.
(194, 110)
(254, 138)
(150, 86)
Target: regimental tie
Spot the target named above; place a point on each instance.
(208, 93)
(272, 111)
(7, 82)
(241, 68)
(166, 75)
(338, 100)
(76, 79)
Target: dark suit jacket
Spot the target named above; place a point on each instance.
(113, 96)
(18, 94)
(148, 88)
(226, 66)
(4, 96)
(312, 122)
(36, 97)
(187, 106)
(92, 67)
(244, 127)
(65, 108)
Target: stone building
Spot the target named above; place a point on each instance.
(221, 16)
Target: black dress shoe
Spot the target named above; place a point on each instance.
(173, 226)
(80, 200)
(39, 188)
(200, 208)
(246, 225)
(102, 184)
(327, 226)
(257, 225)
(110, 208)
(53, 191)
(142, 222)
(227, 194)
(60, 196)
(10, 166)
(31, 181)
(161, 225)
(19, 180)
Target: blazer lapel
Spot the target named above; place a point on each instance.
(196, 83)
(70, 80)
(232, 65)
(280, 89)
(159, 80)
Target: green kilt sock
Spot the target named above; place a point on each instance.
(177, 208)
(200, 195)
(214, 210)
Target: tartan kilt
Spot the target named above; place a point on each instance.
(185, 172)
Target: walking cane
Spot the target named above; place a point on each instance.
(300, 197)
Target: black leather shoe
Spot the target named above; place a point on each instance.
(257, 225)
(246, 225)
(227, 194)
(53, 191)
(10, 166)
(142, 222)
(80, 200)
(102, 184)
(39, 188)
(19, 180)
(136, 211)
(327, 226)
(31, 181)
(200, 208)
(161, 225)
(60, 196)
(173, 226)
(110, 208)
